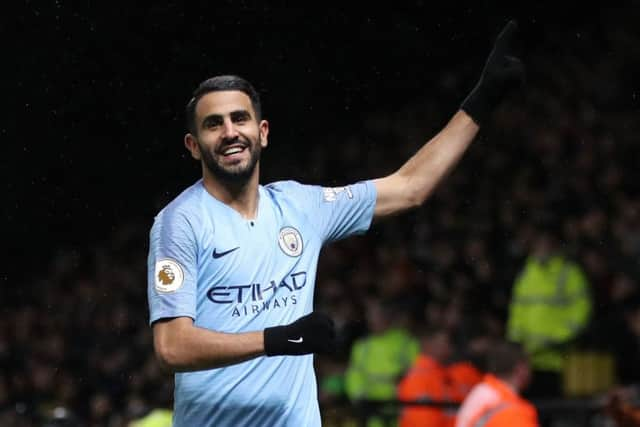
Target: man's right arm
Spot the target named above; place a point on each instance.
(181, 346)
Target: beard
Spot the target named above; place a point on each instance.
(236, 174)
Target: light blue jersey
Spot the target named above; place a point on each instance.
(234, 275)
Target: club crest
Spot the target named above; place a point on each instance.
(290, 241)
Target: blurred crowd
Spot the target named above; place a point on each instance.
(76, 345)
(559, 158)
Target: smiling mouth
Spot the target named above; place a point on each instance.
(230, 151)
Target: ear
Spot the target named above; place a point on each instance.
(264, 133)
(191, 143)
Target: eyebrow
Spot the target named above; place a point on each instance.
(217, 119)
(240, 115)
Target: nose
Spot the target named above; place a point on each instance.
(229, 131)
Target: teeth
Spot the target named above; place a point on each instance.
(233, 150)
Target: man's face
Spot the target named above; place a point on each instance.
(441, 344)
(229, 138)
(543, 247)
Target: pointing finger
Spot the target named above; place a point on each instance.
(504, 39)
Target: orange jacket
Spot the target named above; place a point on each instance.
(493, 403)
(463, 377)
(427, 379)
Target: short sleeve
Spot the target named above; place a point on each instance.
(172, 267)
(336, 212)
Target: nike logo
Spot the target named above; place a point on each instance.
(297, 341)
(216, 255)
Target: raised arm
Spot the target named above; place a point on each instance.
(415, 181)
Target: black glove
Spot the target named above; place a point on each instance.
(313, 333)
(502, 72)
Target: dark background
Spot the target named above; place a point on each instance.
(94, 92)
(92, 149)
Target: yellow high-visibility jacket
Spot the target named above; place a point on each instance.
(377, 364)
(550, 305)
(156, 418)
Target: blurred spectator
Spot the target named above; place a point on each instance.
(463, 376)
(428, 381)
(381, 358)
(550, 307)
(623, 406)
(495, 402)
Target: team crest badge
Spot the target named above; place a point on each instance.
(168, 276)
(290, 241)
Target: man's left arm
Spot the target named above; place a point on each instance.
(416, 180)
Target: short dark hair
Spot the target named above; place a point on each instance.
(220, 83)
(503, 358)
(431, 331)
